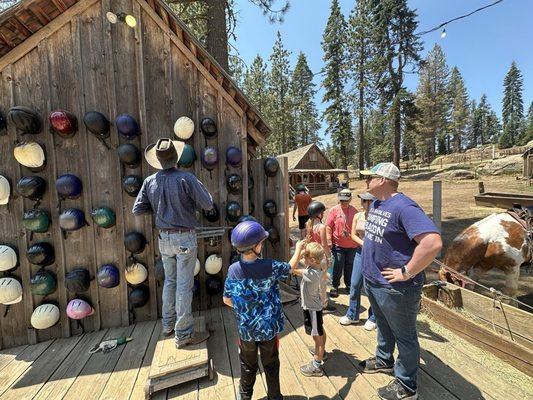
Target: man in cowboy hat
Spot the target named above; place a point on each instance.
(173, 196)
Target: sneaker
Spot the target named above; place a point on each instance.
(311, 370)
(312, 351)
(370, 325)
(195, 338)
(329, 308)
(396, 391)
(167, 331)
(372, 365)
(347, 321)
(334, 293)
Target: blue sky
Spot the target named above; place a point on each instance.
(482, 46)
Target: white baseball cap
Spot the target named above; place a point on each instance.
(385, 169)
(345, 195)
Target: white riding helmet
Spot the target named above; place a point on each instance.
(197, 267)
(29, 154)
(45, 316)
(8, 258)
(213, 264)
(136, 273)
(184, 128)
(10, 291)
(5, 190)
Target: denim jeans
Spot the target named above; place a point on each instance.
(396, 310)
(342, 265)
(178, 252)
(355, 289)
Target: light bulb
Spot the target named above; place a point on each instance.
(111, 17)
(443, 33)
(131, 21)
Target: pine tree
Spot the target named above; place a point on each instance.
(470, 131)
(459, 109)
(237, 69)
(256, 84)
(397, 47)
(527, 135)
(512, 106)
(302, 93)
(279, 109)
(336, 114)
(361, 58)
(432, 102)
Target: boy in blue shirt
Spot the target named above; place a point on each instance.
(252, 290)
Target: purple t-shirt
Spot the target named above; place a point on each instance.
(390, 228)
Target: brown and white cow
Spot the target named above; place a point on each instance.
(497, 241)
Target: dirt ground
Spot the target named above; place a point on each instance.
(458, 211)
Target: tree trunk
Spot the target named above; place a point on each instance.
(361, 112)
(397, 121)
(217, 35)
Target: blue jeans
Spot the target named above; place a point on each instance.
(342, 265)
(178, 252)
(355, 289)
(396, 311)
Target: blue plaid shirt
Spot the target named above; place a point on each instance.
(254, 290)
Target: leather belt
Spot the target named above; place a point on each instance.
(177, 230)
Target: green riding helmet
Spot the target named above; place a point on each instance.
(43, 283)
(104, 217)
(188, 157)
(36, 220)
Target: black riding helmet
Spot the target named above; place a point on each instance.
(78, 280)
(41, 254)
(315, 208)
(132, 185)
(270, 208)
(25, 119)
(135, 242)
(139, 296)
(31, 187)
(129, 155)
(98, 125)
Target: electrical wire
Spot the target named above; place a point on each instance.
(457, 18)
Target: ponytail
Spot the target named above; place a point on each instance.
(309, 229)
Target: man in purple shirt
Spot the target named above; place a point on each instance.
(400, 242)
(173, 196)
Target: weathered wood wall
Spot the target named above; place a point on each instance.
(89, 64)
(320, 163)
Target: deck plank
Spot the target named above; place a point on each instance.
(232, 339)
(221, 388)
(65, 374)
(93, 377)
(20, 365)
(452, 362)
(298, 354)
(8, 355)
(122, 380)
(40, 371)
(428, 387)
(140, 382)
(341, 366)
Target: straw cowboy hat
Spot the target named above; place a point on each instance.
(164, 154)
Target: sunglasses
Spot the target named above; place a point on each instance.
(370, 177)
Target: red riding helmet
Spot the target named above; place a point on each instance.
(63, 122)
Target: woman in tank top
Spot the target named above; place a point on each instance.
(358, 235)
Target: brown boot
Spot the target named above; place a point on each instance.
(195, 338)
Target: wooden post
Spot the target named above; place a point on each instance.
(437, 205)
(481, 187)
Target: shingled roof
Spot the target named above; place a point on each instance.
(21, 21)
(297, 155)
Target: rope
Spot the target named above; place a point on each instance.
(469, 280)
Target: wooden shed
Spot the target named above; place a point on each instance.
(66, 54)
(309, 165)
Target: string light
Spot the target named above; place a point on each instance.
(455, 19)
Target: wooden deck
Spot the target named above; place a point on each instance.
(63, 369)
